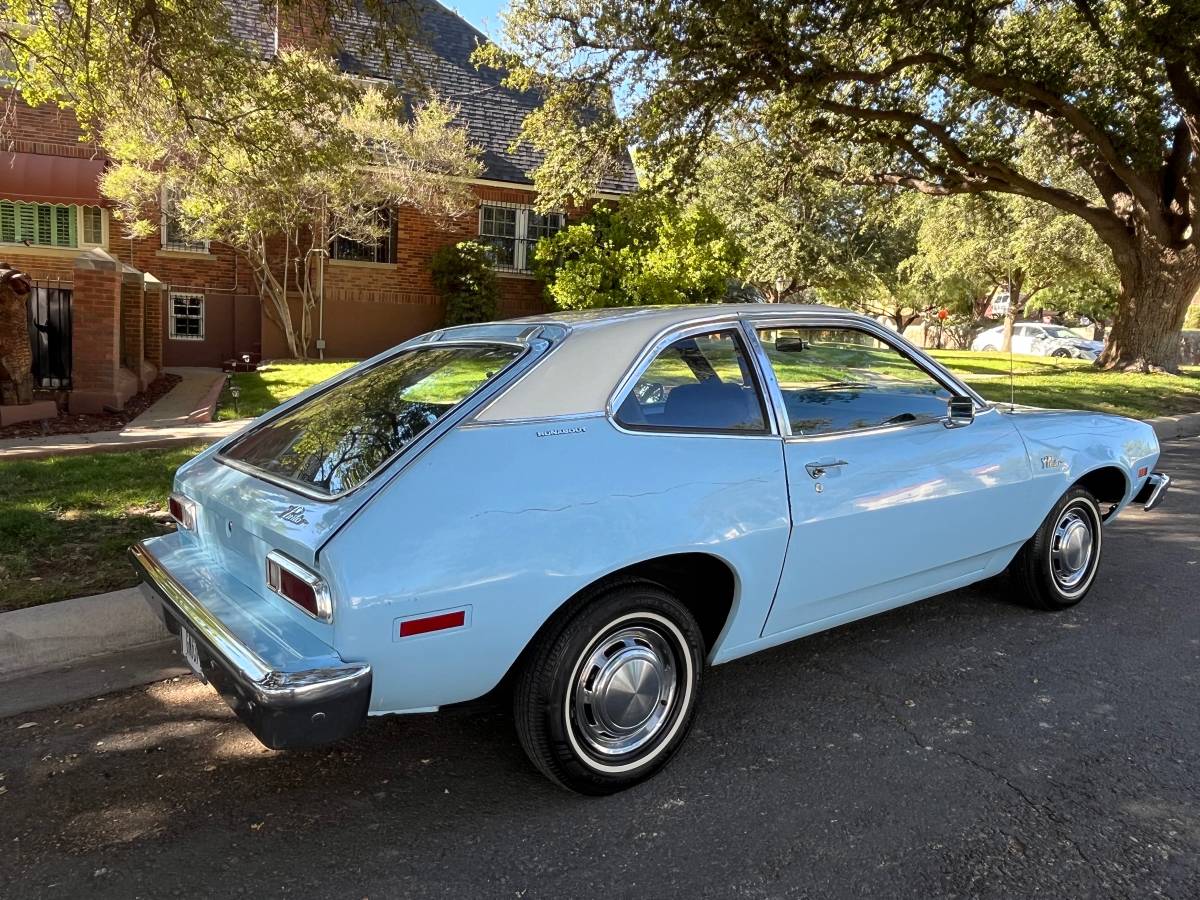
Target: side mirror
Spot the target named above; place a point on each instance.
(790, 344)
(960, 411)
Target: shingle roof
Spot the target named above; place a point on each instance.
(491, 112)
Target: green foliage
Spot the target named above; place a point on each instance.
(464, 276)
(1192, 322)
(1054, 258)
(1010, 98)
(643, 251)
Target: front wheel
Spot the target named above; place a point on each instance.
(1057, 566)
(608, 693)
(1061, 354)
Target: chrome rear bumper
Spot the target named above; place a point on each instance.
(1154, 490)
(284, 709)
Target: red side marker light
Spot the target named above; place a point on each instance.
(440, 622)
(1144, 470)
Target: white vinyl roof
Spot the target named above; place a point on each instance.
(580, 373)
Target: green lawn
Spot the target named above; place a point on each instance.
(66, 521)
(271, 385)
(1074, 384)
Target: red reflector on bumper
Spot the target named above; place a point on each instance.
(439, 622)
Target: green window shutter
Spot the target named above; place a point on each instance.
(41, 224)
(8, 222)
(27, 222)
(45, 225)
(64, 226)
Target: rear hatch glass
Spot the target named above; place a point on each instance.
(334, 440)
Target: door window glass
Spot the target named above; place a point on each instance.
(699, 383)
(840, 379)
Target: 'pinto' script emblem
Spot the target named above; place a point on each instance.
(295, 515)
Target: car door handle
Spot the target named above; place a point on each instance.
(817, 469)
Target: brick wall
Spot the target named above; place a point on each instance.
(132, 325)
(42, 129)
(95, 342)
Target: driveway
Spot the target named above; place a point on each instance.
(962, 746)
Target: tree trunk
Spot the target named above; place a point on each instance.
(1157, 286)
(1014, 295)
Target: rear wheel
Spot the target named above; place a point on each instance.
(987, 349)
(1057, 566)
(609, 692)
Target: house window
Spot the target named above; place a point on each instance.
(173, 237)
(380, 251)
(187, 317)
(92, 222)
(39, 224)
(512, 232)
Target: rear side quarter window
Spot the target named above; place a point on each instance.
(699, 383)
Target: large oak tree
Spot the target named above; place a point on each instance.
(936, 96)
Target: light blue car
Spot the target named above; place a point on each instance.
(588, 510)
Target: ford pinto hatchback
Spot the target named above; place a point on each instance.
(591, 509)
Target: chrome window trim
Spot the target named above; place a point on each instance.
(756, 321)
(874, 429)
(474, 422)
(662, 340)
(500, 381)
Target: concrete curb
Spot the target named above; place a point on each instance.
(57, 634)
(1167, 427)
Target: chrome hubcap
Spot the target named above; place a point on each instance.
(624, 691)
(1071, 549)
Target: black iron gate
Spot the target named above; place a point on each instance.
(50, 335)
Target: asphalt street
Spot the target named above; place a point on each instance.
(964, 746)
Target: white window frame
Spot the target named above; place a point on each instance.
(521, 238)
(103, 226)
(171, 330)
(176, 246)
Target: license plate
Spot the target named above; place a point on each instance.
(190, 652)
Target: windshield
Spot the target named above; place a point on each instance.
(333, 441)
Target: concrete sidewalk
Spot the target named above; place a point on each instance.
(181, 416)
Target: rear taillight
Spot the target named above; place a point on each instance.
(183, 511)
(292, 581)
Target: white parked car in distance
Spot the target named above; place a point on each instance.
(1038, 339)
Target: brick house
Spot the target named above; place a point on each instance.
(138, 305)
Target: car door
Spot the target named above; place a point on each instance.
(888, 504)
(1023, 337)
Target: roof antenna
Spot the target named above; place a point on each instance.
(1012, 311)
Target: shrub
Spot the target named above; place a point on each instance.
(644, 250)
(1192, 322)
(464, 276)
